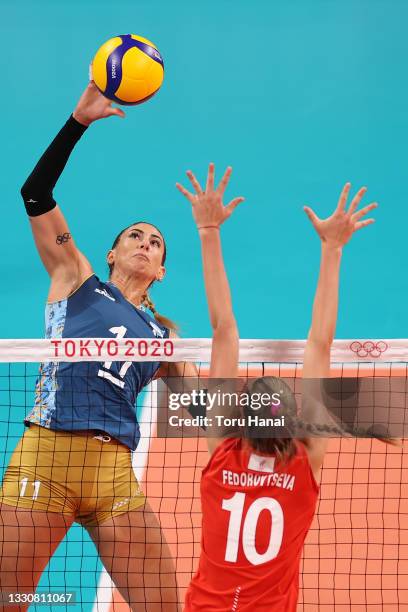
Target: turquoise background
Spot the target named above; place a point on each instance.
(298, 96)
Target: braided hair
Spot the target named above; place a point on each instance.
(149, 304)
(282, 445)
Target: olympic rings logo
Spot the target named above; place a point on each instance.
(63, 238)
(369, 348)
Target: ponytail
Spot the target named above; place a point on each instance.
(284, 447)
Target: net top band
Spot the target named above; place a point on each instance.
(194, 350)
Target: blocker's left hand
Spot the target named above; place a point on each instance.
(92, 105)
(336, 230)
(207, 206)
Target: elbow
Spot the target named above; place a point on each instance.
(33, 188)
(24, 190)
(29, 190)
(36, 200)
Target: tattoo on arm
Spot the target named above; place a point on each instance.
(63, 238)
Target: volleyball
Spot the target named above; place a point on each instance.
(128, 69)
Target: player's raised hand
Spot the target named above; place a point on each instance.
(92, 105)
(337, 229)
(207, 206)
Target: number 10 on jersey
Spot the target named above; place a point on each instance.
(235, 505)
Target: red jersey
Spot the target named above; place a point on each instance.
(256, 515)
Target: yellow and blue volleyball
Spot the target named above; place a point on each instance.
(128, 69)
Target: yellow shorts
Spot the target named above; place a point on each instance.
(81, 474)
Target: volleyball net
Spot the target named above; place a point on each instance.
(356, 553)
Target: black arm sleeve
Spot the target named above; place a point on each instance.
(37, 190)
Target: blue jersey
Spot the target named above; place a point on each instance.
(94, 395)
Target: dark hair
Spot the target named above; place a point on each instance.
(147, 302)
(119, 236)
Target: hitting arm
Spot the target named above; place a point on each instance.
(65, 264)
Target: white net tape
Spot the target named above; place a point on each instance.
(193, 349)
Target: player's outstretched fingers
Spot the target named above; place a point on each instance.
(185, 193)
(356, 200)
(361, 213)
(224, 181)
(210, 178)
(341, 205)
(364, 223)
(194, 182)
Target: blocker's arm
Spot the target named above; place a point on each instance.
(209, 213)
(334, 233)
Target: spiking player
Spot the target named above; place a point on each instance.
(259, 494)
(74, 462)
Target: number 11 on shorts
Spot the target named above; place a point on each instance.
(36, 485)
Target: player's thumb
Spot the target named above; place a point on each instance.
(116, 111)
(310, 213)
(233, 204)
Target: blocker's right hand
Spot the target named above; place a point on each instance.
(207, 206)
(92, 105)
